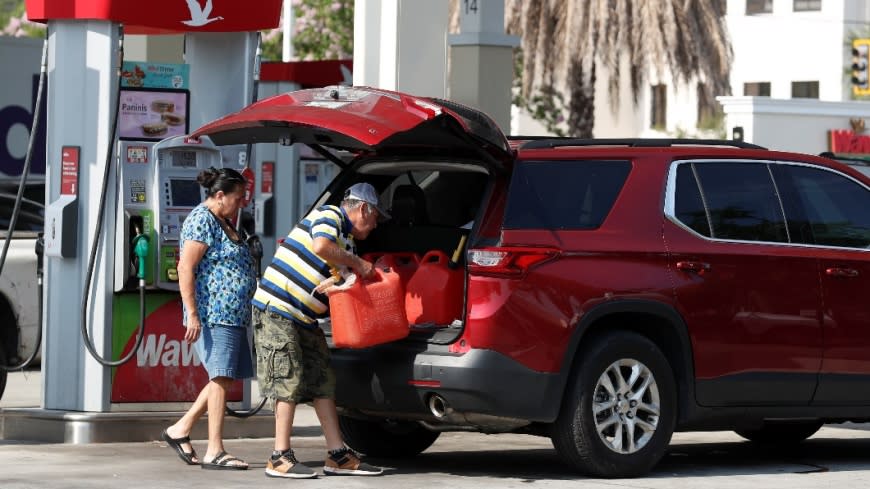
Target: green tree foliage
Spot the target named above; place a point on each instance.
(567, 44)
(7, 7)
(13, 20)
(323, 29)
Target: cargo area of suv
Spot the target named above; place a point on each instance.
(433, 206)
(612, 291)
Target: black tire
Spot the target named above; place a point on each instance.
(386, 438)
(781, 433)
(8, 333)
(575, 433)
(3, 373)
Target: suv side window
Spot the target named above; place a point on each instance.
(563, 194)
(742, 201)
(689, 206)
(835, 205)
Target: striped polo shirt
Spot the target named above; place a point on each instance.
(287, 285)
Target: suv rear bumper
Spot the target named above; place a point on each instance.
(398, 381)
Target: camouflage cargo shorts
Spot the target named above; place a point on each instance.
(292, 361)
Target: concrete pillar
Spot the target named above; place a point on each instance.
(154, 49)
(401, 45)
(221, 80)
(285, 182)
(481, 60)
(82, 79)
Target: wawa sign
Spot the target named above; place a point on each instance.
(165, 368)
(847, 141)
(850, 141)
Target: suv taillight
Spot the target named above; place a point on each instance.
(507, 261)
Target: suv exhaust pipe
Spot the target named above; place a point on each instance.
(439, 407)
(452, 420)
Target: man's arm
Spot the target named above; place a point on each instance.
(334, 255)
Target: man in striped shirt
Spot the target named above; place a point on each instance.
(292, 355)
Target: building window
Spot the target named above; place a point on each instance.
(805, 89)
(710, 113)
(759, 7)
(807, 5)
(658, 111)
(756, 89)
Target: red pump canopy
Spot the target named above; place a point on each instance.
(163, 16)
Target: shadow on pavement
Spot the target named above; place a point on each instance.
(682, 460)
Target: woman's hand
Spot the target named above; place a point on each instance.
(194, 328)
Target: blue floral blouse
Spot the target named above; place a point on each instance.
(225, 277)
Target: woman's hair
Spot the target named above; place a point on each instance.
(220, 179)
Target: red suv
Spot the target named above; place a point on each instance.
(613, 291)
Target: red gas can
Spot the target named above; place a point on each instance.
(405, 263)
(369, 312)
(434, 293)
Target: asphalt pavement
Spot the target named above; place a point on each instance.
(838, 456)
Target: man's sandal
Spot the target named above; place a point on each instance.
(176, 443)
(225, 461)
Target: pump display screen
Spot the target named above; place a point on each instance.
(184, 193)
(184, 159)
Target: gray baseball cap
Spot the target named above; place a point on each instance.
(366, 193)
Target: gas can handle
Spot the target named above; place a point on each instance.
(434, 256)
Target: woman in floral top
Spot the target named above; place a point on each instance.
(217, 278)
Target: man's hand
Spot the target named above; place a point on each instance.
(327, 284)
(332, 254)
(364, 268)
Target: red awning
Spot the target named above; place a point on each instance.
(164, 16)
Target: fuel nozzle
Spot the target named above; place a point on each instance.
(40, 252)
(140, 249)
(255, 246)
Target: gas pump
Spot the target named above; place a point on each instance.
(158, 189)
(135, 217)
(84, 49)
(176, 191)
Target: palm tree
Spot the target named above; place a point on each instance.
(564, 42)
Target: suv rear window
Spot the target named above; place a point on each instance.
(563, 194)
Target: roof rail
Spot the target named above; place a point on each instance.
(857, 159)
(532, 138)
(556, 142)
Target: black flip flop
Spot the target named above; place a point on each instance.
(223, 461)
(176, 443)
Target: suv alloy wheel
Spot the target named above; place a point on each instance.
(619, 416)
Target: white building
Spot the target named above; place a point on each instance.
(788, 49)
(786, 55)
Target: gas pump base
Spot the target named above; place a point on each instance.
(55, 426)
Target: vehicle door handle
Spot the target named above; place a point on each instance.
(841, 272)
(693, 266)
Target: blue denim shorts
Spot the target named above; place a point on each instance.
(225, 352)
